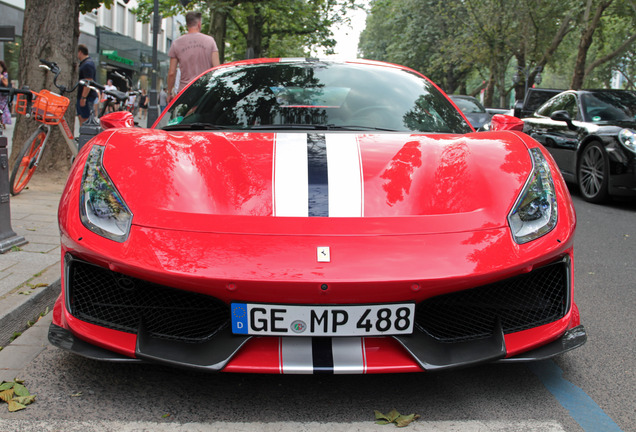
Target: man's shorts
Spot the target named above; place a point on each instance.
(85, 111)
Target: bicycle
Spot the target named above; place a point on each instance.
(48, 109)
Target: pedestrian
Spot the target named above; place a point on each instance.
(85, 96)
(193, 52)
(130, 103)
(163, 99)
(143, 104)
(110, 99)
(4, 98)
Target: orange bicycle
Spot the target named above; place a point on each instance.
(48, 109)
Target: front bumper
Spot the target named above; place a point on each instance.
(217, 354)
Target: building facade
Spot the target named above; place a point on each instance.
(120, 45)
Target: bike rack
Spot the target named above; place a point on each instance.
(8, 238)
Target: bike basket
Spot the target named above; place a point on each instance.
(47, 107)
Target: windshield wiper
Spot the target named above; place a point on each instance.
(363, 128)
(197, 126)
(319, 127)
(288, 126)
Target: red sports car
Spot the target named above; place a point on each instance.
(308, 216)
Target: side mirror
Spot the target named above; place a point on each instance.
(117, 119)
(500, 122)
(563, 116)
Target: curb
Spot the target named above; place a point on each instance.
(27, 309)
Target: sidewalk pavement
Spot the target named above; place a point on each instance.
(30, 274)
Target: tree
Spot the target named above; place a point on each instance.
(594, 20)
(262, 28)
(51, 32)
(421, 34)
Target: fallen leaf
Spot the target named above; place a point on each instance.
(7, 395)
(15, 406)
(39, 285)
(25, 400)
(6, 385)
(403, 420)
(78, 394)
(25, 292)
(21, 390)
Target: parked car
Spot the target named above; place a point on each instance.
(309, 216)
(592, 136)
(534, 98)
(472, 109)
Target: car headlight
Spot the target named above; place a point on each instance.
(102, 209)
(535, 212)
(627, 137)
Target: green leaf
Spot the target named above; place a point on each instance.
(21, 390)
(15, 406)
(6, 385)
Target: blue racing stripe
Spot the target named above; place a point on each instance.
(582, 408)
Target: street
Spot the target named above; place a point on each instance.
(74, 393)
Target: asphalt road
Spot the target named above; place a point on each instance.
(594, 392)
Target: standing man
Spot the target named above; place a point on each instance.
(193, 52)
(85, 96)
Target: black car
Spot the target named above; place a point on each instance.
(592, 136)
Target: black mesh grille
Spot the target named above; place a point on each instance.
(519, 303)
(113, 300)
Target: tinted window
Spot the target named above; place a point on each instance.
(609, 106)
(314, 95)
(563, 102)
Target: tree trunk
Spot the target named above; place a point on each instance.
(587, 36)
(255, 24)
(50, 32)
(218, 28)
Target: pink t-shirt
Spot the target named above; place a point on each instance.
(194, 53)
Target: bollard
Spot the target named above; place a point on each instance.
(88, 130)
(8, 238)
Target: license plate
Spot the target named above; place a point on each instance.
(337, 320)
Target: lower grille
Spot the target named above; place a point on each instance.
(113, 300)
(519, 303)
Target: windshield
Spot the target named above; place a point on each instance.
(609, 106)
(313, 95)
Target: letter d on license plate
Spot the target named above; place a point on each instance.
(336, 320)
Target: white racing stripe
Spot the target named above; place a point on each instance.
(348, 355)
(290, 175)
(345, 175)
(296, 355)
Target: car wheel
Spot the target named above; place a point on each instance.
(593, 173)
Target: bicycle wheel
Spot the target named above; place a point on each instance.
(25, 164)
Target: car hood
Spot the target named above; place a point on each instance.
(278, 182)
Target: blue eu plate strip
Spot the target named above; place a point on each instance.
(239, 318)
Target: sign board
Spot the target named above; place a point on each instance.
(7, 33)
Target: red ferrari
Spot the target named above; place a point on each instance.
(309, 216)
